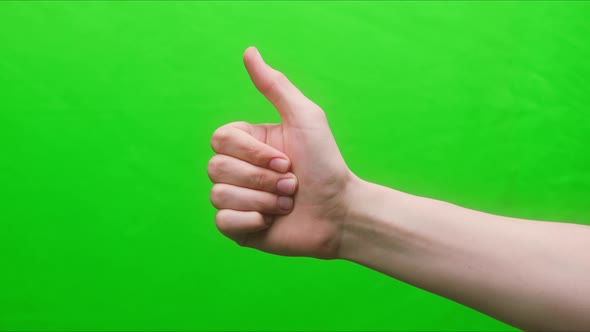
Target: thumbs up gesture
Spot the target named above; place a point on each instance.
(281, 188)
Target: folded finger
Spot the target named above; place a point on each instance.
(227, 196)
(235, 142)
(234, 223)
(230, 170)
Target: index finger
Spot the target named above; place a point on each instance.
(235, 142)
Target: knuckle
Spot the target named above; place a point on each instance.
(212, 169)
(217, 195)
(265, 203)
(239, 124)
(278, 77)
(316, 108)
(221, 221)
(215, 167)
(260, 180)
(260, 157)
(220, 136)
(316, 115)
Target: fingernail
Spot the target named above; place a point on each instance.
(286, 186)
(279, 164)
(285, 203)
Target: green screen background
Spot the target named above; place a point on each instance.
(107, 108)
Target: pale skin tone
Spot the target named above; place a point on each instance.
(285, 189)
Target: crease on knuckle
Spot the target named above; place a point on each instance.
(260, 180)
(265, 202)
(260, 157)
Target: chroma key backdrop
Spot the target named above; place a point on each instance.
(107, 109)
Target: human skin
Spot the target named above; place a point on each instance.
(285, 189)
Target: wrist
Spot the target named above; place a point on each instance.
(367, 223)
(382, 222)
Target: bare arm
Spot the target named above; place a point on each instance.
(530, 274)
(285, 189)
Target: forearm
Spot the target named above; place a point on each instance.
(533, 275)
(530, 274)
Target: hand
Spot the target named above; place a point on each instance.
(281, 188)
(477, 259)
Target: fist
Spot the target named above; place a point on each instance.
(281, 188)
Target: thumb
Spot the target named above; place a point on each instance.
(291, 104)
(311, 146)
